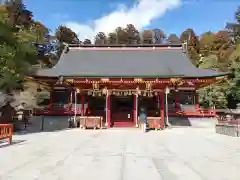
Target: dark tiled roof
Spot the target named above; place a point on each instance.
(126, 62)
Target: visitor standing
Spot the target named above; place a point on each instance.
(143, 119)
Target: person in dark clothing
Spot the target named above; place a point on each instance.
(143, 119)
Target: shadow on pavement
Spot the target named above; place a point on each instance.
(5, 143)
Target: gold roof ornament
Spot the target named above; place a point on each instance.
(148, 85)
(105, 80)
(176, 81)
(70, 81)
(95, 85)
(138, 80)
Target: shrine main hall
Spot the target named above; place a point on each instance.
(106, 85)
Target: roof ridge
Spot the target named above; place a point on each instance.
(123, 48)
(126, 45)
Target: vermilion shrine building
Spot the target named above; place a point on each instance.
(112, 82)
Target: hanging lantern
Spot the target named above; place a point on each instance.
(93, 94)
(77, 90)
(104, 91)
(125, 93)
(60, 80)
(144, 94)
(176, 88)
(167, 90)
(89, 93)
(138, 90)
(156, 93)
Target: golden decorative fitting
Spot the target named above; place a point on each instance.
(190, 83)
(105, 80)
(71, 81)
(138, 80)
(148, 85)
(176, 81)
(95, 85)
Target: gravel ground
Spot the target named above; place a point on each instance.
(122, 154)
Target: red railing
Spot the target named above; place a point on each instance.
(201, 112)
(6, 131)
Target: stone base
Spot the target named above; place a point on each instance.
(229, 130)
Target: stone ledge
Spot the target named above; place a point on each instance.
(228, 129)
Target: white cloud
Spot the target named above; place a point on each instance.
(140, 15)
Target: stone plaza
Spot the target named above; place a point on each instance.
(122, 154)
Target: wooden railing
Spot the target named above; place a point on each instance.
(91, 122)
(6, 131)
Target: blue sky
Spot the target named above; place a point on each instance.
(86, 17)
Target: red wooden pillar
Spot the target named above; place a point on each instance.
(83, 104)
(177, 105)
(135, 110)
(108, 110)
(51, 101)
(196, 100)
(162, 123)
(158, 105)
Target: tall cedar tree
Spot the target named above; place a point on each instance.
(193, 45)
(100, 38)
(147, 37)
(173, 39)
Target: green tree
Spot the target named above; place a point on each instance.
(234, 83)
(87, 41)
(18, 14)
(206, 43)
(147, 37)
(13, 55)
(234, 27)
(190, 37)
(173, 39)
(133, 35)
(158, 36)
(112, 38)
(66, 35)
(100, 38)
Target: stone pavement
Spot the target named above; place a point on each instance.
(122, 154)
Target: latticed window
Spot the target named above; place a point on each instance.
(60, 98)
(186, 97)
